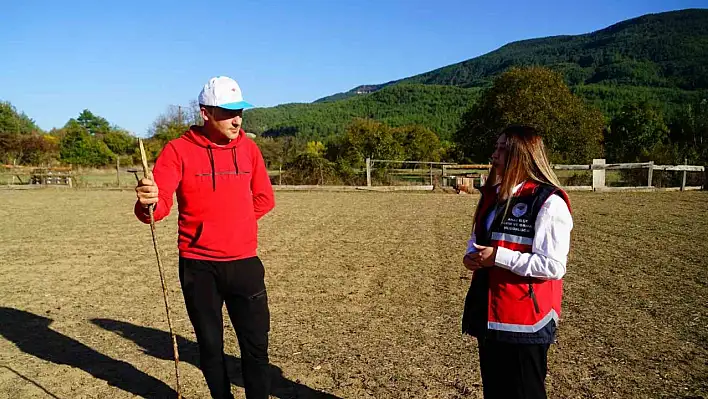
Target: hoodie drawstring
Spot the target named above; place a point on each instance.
(213, 171)
(233, 155)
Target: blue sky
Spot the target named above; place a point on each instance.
(129, 60)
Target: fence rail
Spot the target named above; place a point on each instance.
(680, 168)
(642, 165)
(609, 166)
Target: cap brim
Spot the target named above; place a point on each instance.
(236, 105)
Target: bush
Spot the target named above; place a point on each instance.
(310, 169)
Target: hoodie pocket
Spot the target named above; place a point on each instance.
(225, 237)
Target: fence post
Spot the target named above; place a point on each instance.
(651, 173)
(683, 181)
(598, 175)
(280, 175)
(431, 174)
(368, 172)
(118, 170)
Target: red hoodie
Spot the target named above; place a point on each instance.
(221, 193)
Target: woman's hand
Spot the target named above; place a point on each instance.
(484, 257)
(470, 263)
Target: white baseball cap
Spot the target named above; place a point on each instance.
(223, 92)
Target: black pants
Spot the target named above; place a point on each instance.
(513, 371)
(206, 285)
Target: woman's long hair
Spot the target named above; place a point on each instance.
(525, 159)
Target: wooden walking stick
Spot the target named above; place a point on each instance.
(146, 174)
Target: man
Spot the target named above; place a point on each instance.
(222, 190)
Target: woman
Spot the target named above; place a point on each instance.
(518, 253)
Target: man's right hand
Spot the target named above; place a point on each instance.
(147, 192)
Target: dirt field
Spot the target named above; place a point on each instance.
(366, 293)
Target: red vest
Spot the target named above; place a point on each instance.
(519, 309)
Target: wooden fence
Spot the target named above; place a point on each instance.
(40, 176)
(598, 168)
(450, 174)
(371, 162)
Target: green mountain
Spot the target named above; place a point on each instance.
(660, 58)
(657, 50)
(436, 107)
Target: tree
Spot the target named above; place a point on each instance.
(637, 133)
(12, 121)
(535, 96)
(449, 152)
(419, 143)
(315, 148)
(94, 125)
(366, 138)
(173, 123)
(690, 131)
(14, 128)
(39, 149)
(78, 147)
(10, 147)
(272, 151)
(120, 142)
(345, 155)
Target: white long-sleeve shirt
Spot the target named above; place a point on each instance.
(551, 243)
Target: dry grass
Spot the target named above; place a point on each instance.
(366, 292)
